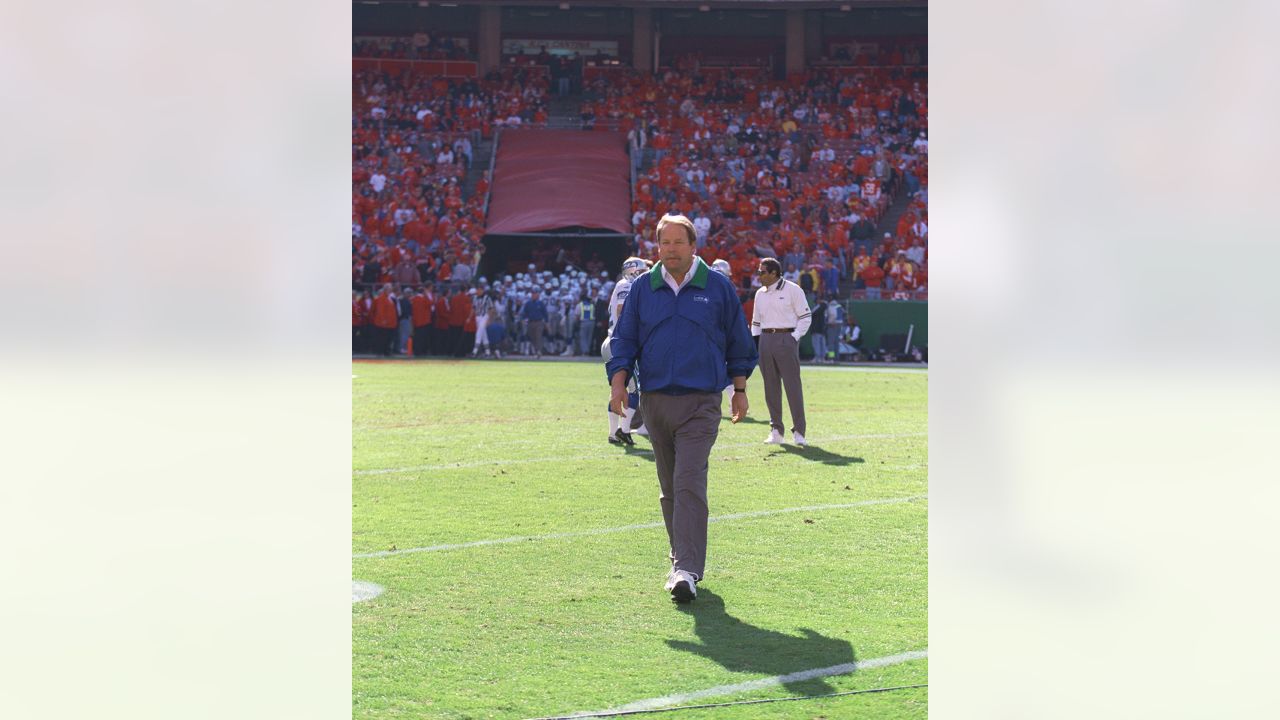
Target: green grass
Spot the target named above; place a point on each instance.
(457, 452)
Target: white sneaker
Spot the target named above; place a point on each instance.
(682, 586)
(642, 431)
(799, 439)
(775, 437)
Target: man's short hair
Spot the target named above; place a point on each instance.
(682, 221)
(772, 265)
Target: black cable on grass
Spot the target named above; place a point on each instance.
(619, 713)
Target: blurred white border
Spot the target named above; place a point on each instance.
(176, 494)
(1102, 391)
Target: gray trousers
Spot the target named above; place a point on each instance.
(682, 429)
(535, 335)
(780, 368)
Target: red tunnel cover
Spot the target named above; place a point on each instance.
(549, 179)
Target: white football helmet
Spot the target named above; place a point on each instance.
(722, 266)
(634, 267)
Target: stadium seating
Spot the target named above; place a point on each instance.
(804, 169)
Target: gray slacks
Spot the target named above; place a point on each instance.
(780, 368)
(682, 429)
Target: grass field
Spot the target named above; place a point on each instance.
(568, 613)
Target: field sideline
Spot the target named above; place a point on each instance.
(521, 558)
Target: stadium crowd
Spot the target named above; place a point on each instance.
(424, 46)
(804, 170)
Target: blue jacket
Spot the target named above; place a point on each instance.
(534, 310)
(693, 342)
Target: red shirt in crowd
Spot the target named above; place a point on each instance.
(384, 312)
(459, 309)
(440, 321)
(872, 275)
(421, 310)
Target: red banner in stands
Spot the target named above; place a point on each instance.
(550, 179)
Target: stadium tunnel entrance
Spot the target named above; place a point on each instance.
(554, 251)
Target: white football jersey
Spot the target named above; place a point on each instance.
(620, 292)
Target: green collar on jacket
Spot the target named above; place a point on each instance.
(700, 271)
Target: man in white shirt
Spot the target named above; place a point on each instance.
(781, 317)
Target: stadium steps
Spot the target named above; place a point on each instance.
(889, 221)
(484, 152)
(564, 112)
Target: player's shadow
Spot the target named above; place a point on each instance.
(639, 451)
(741, 647)
(817, 454)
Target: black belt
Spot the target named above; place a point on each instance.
(778, 330)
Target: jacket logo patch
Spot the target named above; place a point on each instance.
(700, 298)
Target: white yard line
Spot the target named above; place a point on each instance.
(845, 668)
(361, 590)
(562, 458)
(640, 526)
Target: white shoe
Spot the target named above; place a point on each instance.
(642, 431)
(775, 438)
(799, 439)
(682, 586)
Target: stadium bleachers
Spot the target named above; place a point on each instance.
(808, 168)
